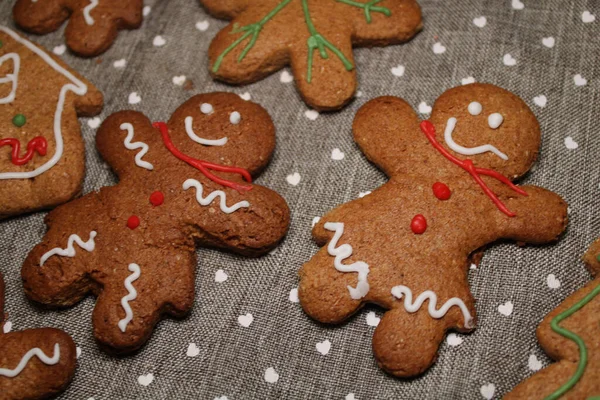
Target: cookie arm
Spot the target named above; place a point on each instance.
(224, 9)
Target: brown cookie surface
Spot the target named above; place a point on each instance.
(407, 246)
(181, 186)
(570, 335)
(93, 24)
(41, 151)
(315, 37)
(35, 363)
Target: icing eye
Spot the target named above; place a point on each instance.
(235, 118)
(475, 108)
(206, 108)
(495, 120)
(19, 120)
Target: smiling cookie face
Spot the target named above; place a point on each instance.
(488, 125)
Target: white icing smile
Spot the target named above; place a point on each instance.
(468, 151)
(207, 142)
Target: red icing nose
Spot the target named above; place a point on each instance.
(441, 191)
(418, 224)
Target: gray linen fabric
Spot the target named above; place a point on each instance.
(231, 360)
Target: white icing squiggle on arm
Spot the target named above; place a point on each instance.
(401, 290)
(207, 142)
(136, 145)
(468, 151)
(86, 12)
(35, 352)
(11, 78)
(132, 295)
(90, 245)
(209, 199)
(341, 253)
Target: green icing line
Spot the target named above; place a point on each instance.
(368, 7)
(598, 259)
(572, 336)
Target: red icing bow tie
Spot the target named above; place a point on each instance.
(36, 145)
(429, 131)
(204, 166)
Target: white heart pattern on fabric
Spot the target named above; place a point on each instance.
(159, 41)
(509, 60)
(438, 48)
(285, 77)
(398, 70)
(192, 350)
(480, 22)
(293, 179)
(337, 154)
(271, 376)
(579, 80)
(548, 42)
(323, 347)
(570, 143)
(552, 281)
(506, 308)
(534, 364)
(293, 297)
(202, 26)
(373, 319)
(487, 391)
(245, 320)
(146, 380)
(220, 276)
(134, 98)
(540, 100)
(454, 340)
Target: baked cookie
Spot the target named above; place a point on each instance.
(42, 154)
(315, 37)
(182, 185)
(35, 363)
(410, 241)
(570, 335)
(93, 24)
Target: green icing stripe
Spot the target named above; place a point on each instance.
(572, 336)
(368, 7)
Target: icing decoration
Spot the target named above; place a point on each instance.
(429, 131)
(207, 142)
(475, 108)
(598, 257)
(35, 352)
(418, 224)
(1, 44)
(209, 199)
(401, 290)
(19, 120)
(86, 12)
(341, 253)
(583, 356)
(495, 120)
(11, 78)
(441, 191)
(75, 86)
(126, 126)
(468, 151)
(36, 145)
(206, 108)
(88, 246)
(368, 7)
(133, 222)
(235, 118)
(204, 166)
(157, 198)
(131, 295)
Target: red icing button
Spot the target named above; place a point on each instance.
(133, 222)
(441, 191)
(157, 198)
(418, 224)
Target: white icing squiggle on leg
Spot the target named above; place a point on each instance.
(126, 126)
(132, 295)
(89, 246)
(35, 352)
(401, 290)
(209, 199)
(341, 253)
(86, 11)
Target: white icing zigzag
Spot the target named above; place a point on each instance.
(209, 199)
(401, 290)
(90, 245)
(136, 145)
(343, 252)
(132, 295)
(86, 12)
(35, 352)
(13, 78)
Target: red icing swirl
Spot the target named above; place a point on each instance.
(36, 145)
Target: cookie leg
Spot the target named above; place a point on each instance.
(406, 344)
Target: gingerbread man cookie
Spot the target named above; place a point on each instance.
(35, 363)
(407, 246)
(41, 151)
(570, 335)
(93, 24)
(315, 37)
(182, 185)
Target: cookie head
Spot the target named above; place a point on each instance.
(488, 125)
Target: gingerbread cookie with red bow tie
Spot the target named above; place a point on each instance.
(183, 184)
(34, 363)
(407, 246)
(314, 37)
(93, 24)
(42, 156)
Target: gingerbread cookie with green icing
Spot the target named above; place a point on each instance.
(570, 334)
(408, 245)
(315, 37)
(34, 363)
(93, 24)
(182, 185)
(42, 156)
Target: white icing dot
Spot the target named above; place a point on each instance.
(475, 108)
(235, 118)
(206, 108)
(495, 120)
